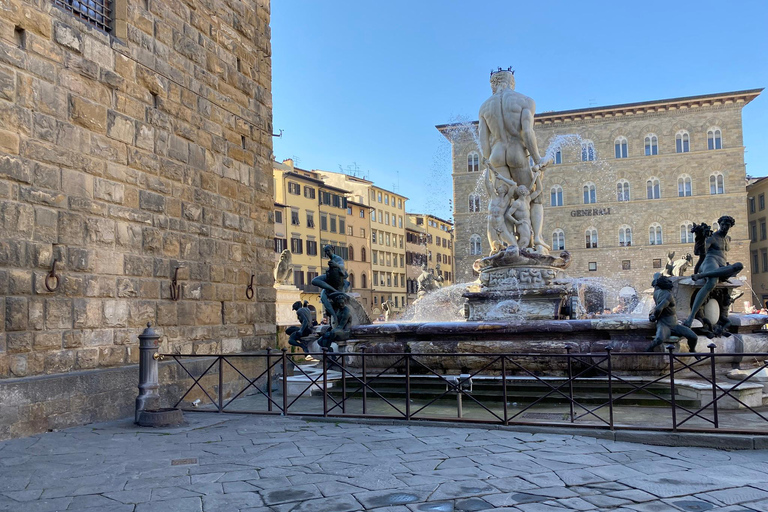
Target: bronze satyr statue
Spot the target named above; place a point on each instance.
(340, 330)
(305, 329)
(334, 280)
(715, 266)
(665, 316)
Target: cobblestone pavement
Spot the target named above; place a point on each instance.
(258, 464)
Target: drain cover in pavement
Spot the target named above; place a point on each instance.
(443, 506)
(183, 462)
(557, 416)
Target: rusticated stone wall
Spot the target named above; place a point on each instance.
(123, 157)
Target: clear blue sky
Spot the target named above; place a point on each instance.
(366, 82)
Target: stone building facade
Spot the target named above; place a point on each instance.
(359, 251)
(131, 153)
(627, 182)
(757, 191)
(430, 242)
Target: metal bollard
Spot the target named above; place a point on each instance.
(148, 375)
(461, 383)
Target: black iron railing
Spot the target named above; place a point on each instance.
(687, 394)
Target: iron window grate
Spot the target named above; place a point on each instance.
(95, 12)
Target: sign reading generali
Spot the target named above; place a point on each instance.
(590, 212)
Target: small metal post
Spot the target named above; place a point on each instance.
(269, 380)
(365, 382)
(285, 382)
(221, 383)
(408, 386)
(670, 348)
(504, 387)
(610, 388)
(459, 410)
(711, 347)
(343, 384)
(148, 397)
(325, 382)
(570, 381)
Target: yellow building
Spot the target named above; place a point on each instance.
(359, 251)
(314, 215)
(416, 252)
(438, 244)
(757, 190)
(387, 236)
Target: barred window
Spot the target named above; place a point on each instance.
(96, 12)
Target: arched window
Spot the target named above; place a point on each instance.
(590, 193)
(684, 188)
(682, 142)
(653, 188)
(651, 144)
(558, 240)
(620, 147)
(714, 138)
(351, 253)
(556, 196)
(558, 156)
(475, 245)
(591, 238)
(362, 255)
(625, 236)
(622, 190)
(364, 280)
(654, 234)
(351, 280)
(587, 151)
(686, 237)
(716, 184)
(473, 162)
(474, 203)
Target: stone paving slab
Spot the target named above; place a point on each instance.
(243, 463)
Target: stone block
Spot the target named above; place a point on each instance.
(112, 356)
(20, 282)
(166, 314)
(42, 196)
(208, 313)
(71, 228)
(9, 142)
(109, 191)
(108, 262)
(16, 313)
(120, 127)
(87, 358)
(60, 361)
(138, 265)
(37, 314)
(46, 225)
(7, 84)
(151, 201)
(50, 340)
(87, 313)
(98, 338)
(67, 37)
(140, 312)
(14, 168)
(99, 286)
(58, 313)
(87, 114)
(18, 342)
(145, 136)
(72, 339)
(100, 230)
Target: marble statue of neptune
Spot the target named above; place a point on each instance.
(507, 140)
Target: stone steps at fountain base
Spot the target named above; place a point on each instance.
(522, 390)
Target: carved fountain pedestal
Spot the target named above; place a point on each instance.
(518, 283)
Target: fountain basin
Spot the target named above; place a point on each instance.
(531, 340)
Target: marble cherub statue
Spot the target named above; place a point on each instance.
(665, 316)
(507, 139)
(284, 268)
(501, 192)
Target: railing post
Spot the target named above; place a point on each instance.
(343, 384)
(269, 379)
(610, 387)
(670, 349)
(504, 388)
(148, 397)
(408, 385)
(221, 383)
(570, 380)
(365, 382)
(711, 347)
(325, 382)
(285, 381)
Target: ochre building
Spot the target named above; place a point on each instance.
(757, 190)
(627, 183)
